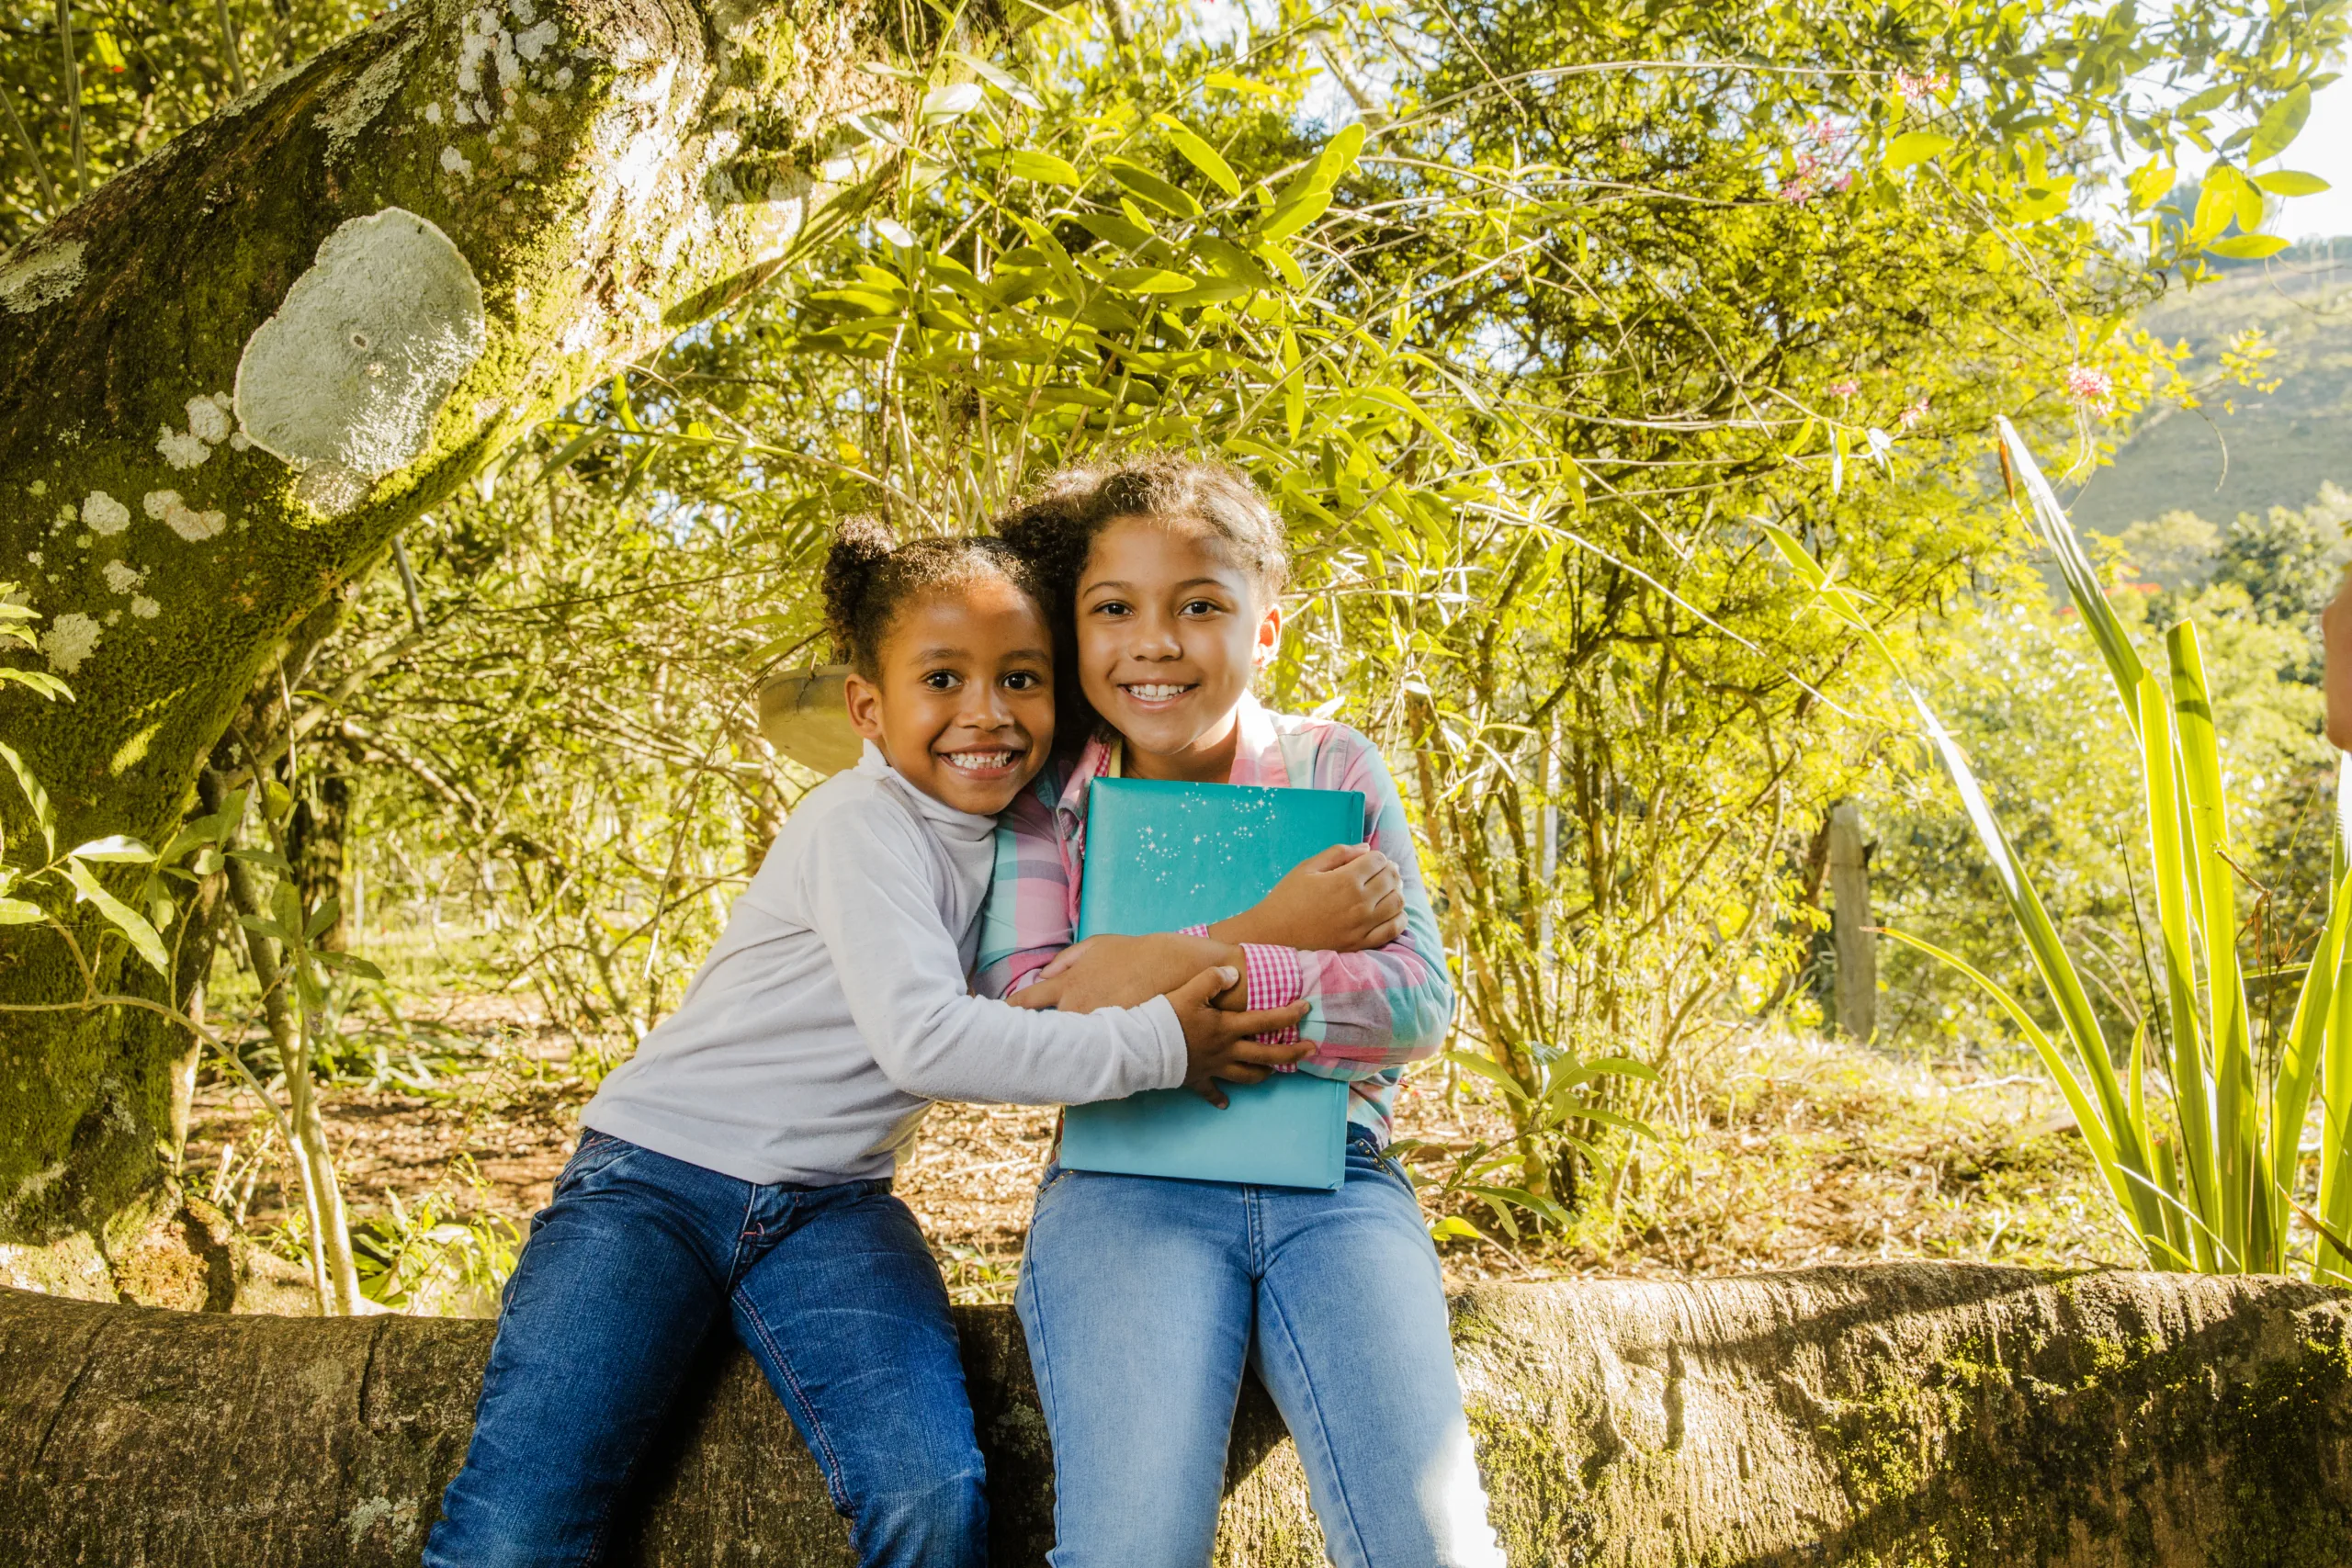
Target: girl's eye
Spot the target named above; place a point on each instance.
(1112, 607)
(941, 681)
(1021, 680)
(1200, 607)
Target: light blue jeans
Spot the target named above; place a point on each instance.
(1144, 1299)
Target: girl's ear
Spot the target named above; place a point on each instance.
(863, 700)
(1268, 640)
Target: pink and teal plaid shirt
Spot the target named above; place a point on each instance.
(1370, 1013)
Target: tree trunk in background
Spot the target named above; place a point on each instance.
(237, 370)
(1961, 1415)
(315, 837)
(1850, 924)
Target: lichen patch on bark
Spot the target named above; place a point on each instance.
(103, 514)
(166, 507)
(349, 375)
(35, 275)
(365, 99)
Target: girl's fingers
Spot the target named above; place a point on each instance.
(1042, 994)
(1061, 961)
(1240, 1026)
(1331, 859)
(1261, 1053)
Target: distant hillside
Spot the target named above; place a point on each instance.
(2280, 446)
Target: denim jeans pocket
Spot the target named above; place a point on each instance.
(597, 1152)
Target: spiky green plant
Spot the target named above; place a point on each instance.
(2211, 1186)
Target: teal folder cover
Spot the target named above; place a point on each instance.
(1160, 857)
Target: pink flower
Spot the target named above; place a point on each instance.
(1825, 133)
(1912, 415)
(1915, 85)
(1845, 388)
(2089, 388)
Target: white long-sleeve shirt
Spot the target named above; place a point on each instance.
(835, 1007)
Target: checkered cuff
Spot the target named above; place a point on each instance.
(1275, 980)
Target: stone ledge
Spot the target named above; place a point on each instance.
(1902, 1413)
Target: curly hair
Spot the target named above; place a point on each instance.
(870, 578)
(1054, 528)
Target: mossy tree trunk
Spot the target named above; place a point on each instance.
(234, 372)
(1905, 1416)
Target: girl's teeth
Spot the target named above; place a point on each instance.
(979, 758)
(1156, 694)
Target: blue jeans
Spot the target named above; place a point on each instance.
(1143, 1300)
(628, 1270)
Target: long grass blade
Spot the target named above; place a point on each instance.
(2131, 1191)
(2049, 522)
(2336, 1086)
(2059, 976)
(2298, 1063)
(2238, 1133)
(2176, 916)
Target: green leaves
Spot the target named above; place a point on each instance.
(1915, 147)
(117, 849)
(1308, 195)
(2279, 125)
(2248, 247)
(44, 815)
(2151, 183)
(1149, 187)
(2291, 182)
(123, 917)
(1198, 153)
(1043, 167)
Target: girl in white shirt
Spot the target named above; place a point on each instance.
(737, 1171)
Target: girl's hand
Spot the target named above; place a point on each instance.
(1127, 971)
(1347, 899)
(1220, 1046)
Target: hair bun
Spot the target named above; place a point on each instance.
(861, 546)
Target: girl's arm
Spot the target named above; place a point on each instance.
(868, 889)
(1384, 1007)
(1026, 919)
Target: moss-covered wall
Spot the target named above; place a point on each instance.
(238, 368)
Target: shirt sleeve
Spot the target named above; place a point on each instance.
(871, 891)
(1369, 1012)
(1027, 919)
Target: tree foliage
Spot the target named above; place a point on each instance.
(1526, 316)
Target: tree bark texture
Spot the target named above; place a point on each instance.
(236, 371)
(1899, 1415)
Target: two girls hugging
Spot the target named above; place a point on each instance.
(907, 940)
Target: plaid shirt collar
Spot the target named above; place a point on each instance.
(1257, 760)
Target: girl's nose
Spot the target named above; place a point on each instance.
(985, 708)
(1157, 639)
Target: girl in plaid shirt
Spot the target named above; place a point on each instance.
(1143, 1297)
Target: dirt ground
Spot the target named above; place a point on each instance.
(1774, 1151)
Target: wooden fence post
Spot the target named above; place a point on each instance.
(1850, 924)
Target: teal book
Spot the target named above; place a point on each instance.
(1162, 856)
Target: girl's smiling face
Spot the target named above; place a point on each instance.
(1169, 632)
(965, 705)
